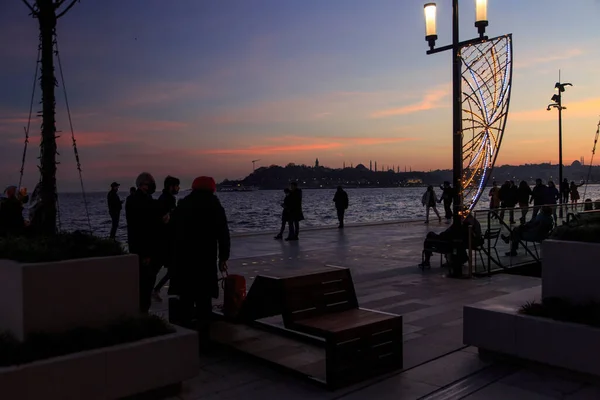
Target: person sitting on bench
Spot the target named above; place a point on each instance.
(444, 241)
(533, 231)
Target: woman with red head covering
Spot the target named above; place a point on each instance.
(202, 246)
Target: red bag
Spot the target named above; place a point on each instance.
(234, 293)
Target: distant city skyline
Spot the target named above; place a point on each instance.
(223, 83)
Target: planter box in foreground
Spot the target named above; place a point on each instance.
(108, 373)
(58, 296)
(496, 325)
(570, 270)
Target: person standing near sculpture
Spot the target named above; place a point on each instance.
(341, 205)
(144, 224)
(115, 204)
(447, 196)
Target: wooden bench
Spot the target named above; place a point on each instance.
(359, 343)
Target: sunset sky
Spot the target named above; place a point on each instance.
(191, 87)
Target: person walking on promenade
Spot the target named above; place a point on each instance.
(296, 214)
(574, 193)
(494, 196)
(538, 196)
(447, 197)
(167, 203)
(552, 197)
(115, 204)
(523, 196)
(202, 244)
(429, 201)
(285, 213)
(509, 197)
(341, 205)
(144, 223)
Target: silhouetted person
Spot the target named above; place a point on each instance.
(202, 245)
(534, 230)
(538, 196)
(494, 195)
(523, 196)
(11, 213)
(115, 204)
(452, 237)
(429, 201)
(296, 214)
(447, 198)
(144, 224)
(167, 203)
(341, 205)
(565, 191)
(285, 214)
(552, 197)
(574, 190)
(508, 199)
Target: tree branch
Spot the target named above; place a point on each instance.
(33, 12)
(66, 8)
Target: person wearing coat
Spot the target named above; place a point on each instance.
(429, 201)
(296, 214)
(144, 225)
(341, 205)
(202, 248)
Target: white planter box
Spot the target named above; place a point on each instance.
(57, 296)
(571, 270)
(496, 325)
(108, 373)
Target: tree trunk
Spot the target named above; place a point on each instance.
(47, 21)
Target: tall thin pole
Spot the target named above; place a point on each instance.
(457, 118)
(560, 156)
(46, 16)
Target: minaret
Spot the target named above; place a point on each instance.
(344, 164)
(370, 165)
(351, 165)
(375, 166)
(317, 163)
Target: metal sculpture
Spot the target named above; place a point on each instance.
(487, 82)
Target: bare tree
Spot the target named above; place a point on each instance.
(47, 12)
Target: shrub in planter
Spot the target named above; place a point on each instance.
(62, 246)
(41, 345)
(587, 231)
(561, 309)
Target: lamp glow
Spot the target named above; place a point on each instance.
(481, 16)
(430, 24)
(480, 10)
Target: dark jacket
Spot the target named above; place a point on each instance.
(11, 217)
(166, 205)
(114, 203)
(295, 203)
(447, 194)
(201, 240)
(512, 196)
(341, 200)
(552, 195)
(538, 194)
(523, 194)
(144, 222)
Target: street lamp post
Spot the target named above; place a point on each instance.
(431, 36)
(557, 99)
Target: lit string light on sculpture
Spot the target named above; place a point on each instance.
(487, 75)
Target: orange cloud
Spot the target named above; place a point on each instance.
(577, 109)
(431, 100)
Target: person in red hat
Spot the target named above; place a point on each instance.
(202, 246)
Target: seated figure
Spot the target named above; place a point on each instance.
(446, 240)
(535, 230)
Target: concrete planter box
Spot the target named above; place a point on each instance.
(58, 296)
(496, 325)
(570, 270)
(108, 373)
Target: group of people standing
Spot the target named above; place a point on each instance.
(508, 196)
(190, 238)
